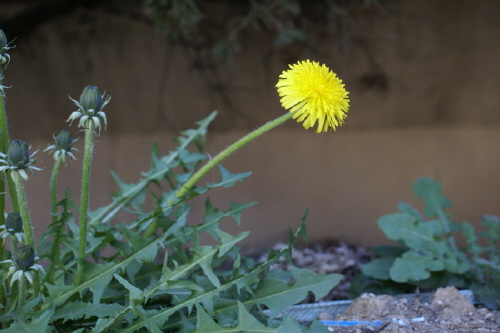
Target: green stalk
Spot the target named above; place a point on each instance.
(22, 291)
(4, 141)
(25, 215)
(13, 247)
(4, 146)
(23, 208)
(217, 159)
(84, 199)
(56, 248)
(53, 192)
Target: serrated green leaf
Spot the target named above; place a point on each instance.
(414, 266)
(228, 241)
(236, 209)
(137, 242)
(291, 325)
(317, 327)
(96, 274)
(278, 294)
(99, 284)
(138, 200)
(246, 323)
(106, 214)
(205, 323)
(246, 281)
(84, 310)
(228, 179)
(100, 324)
(212, 220)
(135, 293)
(188, 157)
(203, 255)
(37, 325)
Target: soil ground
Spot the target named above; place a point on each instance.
(446, 311)
(449, 311)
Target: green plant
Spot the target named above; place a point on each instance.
(429, 256)
(152, 274)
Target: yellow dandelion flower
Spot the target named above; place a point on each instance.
(313, 93)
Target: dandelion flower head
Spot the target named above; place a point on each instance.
(313, 93)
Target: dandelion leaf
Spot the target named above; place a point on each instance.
(246, 323)
(228, 241)
(85, 310)
(37, 325)
(317, 327)
(203, 256)
(147, 254)
(213, 216)
(228, 179)
(277, 294)
(136, 295)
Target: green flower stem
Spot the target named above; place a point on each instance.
(3, 301)
(53, 192)
(25, 215)
(23, 208)
(4, 146)
(56, 248)
(4, 142)
(217, 159)
(13, 247)
(22, 291)
(84, 200)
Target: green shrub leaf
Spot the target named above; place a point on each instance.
(414, 266)
(379, 268)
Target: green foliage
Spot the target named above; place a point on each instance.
(170, 282)
(428, 256)
(217, 27)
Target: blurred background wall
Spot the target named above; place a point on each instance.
(423, 78)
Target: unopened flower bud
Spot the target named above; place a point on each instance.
(14, 222)
(25, 257)
(19, 154)
(91, 99)
(3, 40)
(64, 140)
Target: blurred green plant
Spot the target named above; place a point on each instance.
(154, 274)
(428, 256)
(219, 25)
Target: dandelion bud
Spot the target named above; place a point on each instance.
(3, 41)
(91, 99)
(19, 154)
(64, 140)
(25, 257)
(14, 222)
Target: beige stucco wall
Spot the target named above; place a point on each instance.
(438, 117)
